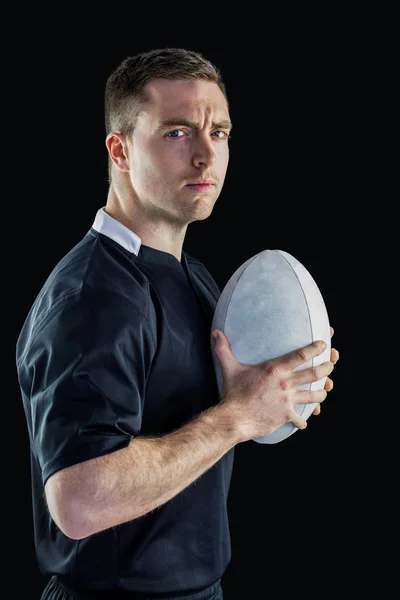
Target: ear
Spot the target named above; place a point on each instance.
(117, 147)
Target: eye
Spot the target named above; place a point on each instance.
(170, 133)
(223, 135)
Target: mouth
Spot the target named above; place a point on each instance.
(201, 187)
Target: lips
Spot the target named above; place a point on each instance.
(200, 187)
(202, 182)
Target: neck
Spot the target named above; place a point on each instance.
(153, 229)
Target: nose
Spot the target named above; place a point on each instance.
(203, 151)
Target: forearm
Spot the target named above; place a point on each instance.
(128, 483)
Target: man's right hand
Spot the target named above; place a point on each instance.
(264, 395)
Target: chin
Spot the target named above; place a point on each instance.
(198, 207)
(202, 213)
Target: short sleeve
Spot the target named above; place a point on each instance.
(84, 378)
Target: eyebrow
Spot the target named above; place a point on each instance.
(224, 124)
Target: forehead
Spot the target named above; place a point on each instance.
(185, 98)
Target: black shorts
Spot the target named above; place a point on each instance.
(57, 590)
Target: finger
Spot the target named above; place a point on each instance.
(334, 356)
(294, 359)
(317, 410)
(298, 421)
(332, 331)
(312, 374)
(328, 385)
(310, 396)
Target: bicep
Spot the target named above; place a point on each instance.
(85, 375)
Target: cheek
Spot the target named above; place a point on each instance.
(161, 162)
(147, 170)
(223, 161)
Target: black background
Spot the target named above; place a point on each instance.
(290, 185)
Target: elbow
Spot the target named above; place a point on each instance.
(73, 526)
(71, 516)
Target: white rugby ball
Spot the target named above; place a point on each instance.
(270, 306)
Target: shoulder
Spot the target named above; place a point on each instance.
(94, 285)
(96, 267)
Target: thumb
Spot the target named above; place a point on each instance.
(222, 349)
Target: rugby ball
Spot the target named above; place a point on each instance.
(270, 306)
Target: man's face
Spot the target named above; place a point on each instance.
(180, 138)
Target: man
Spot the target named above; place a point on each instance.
(132, 449)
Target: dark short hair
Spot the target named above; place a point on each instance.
(125, 94)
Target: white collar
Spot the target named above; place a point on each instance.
(107, 225)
